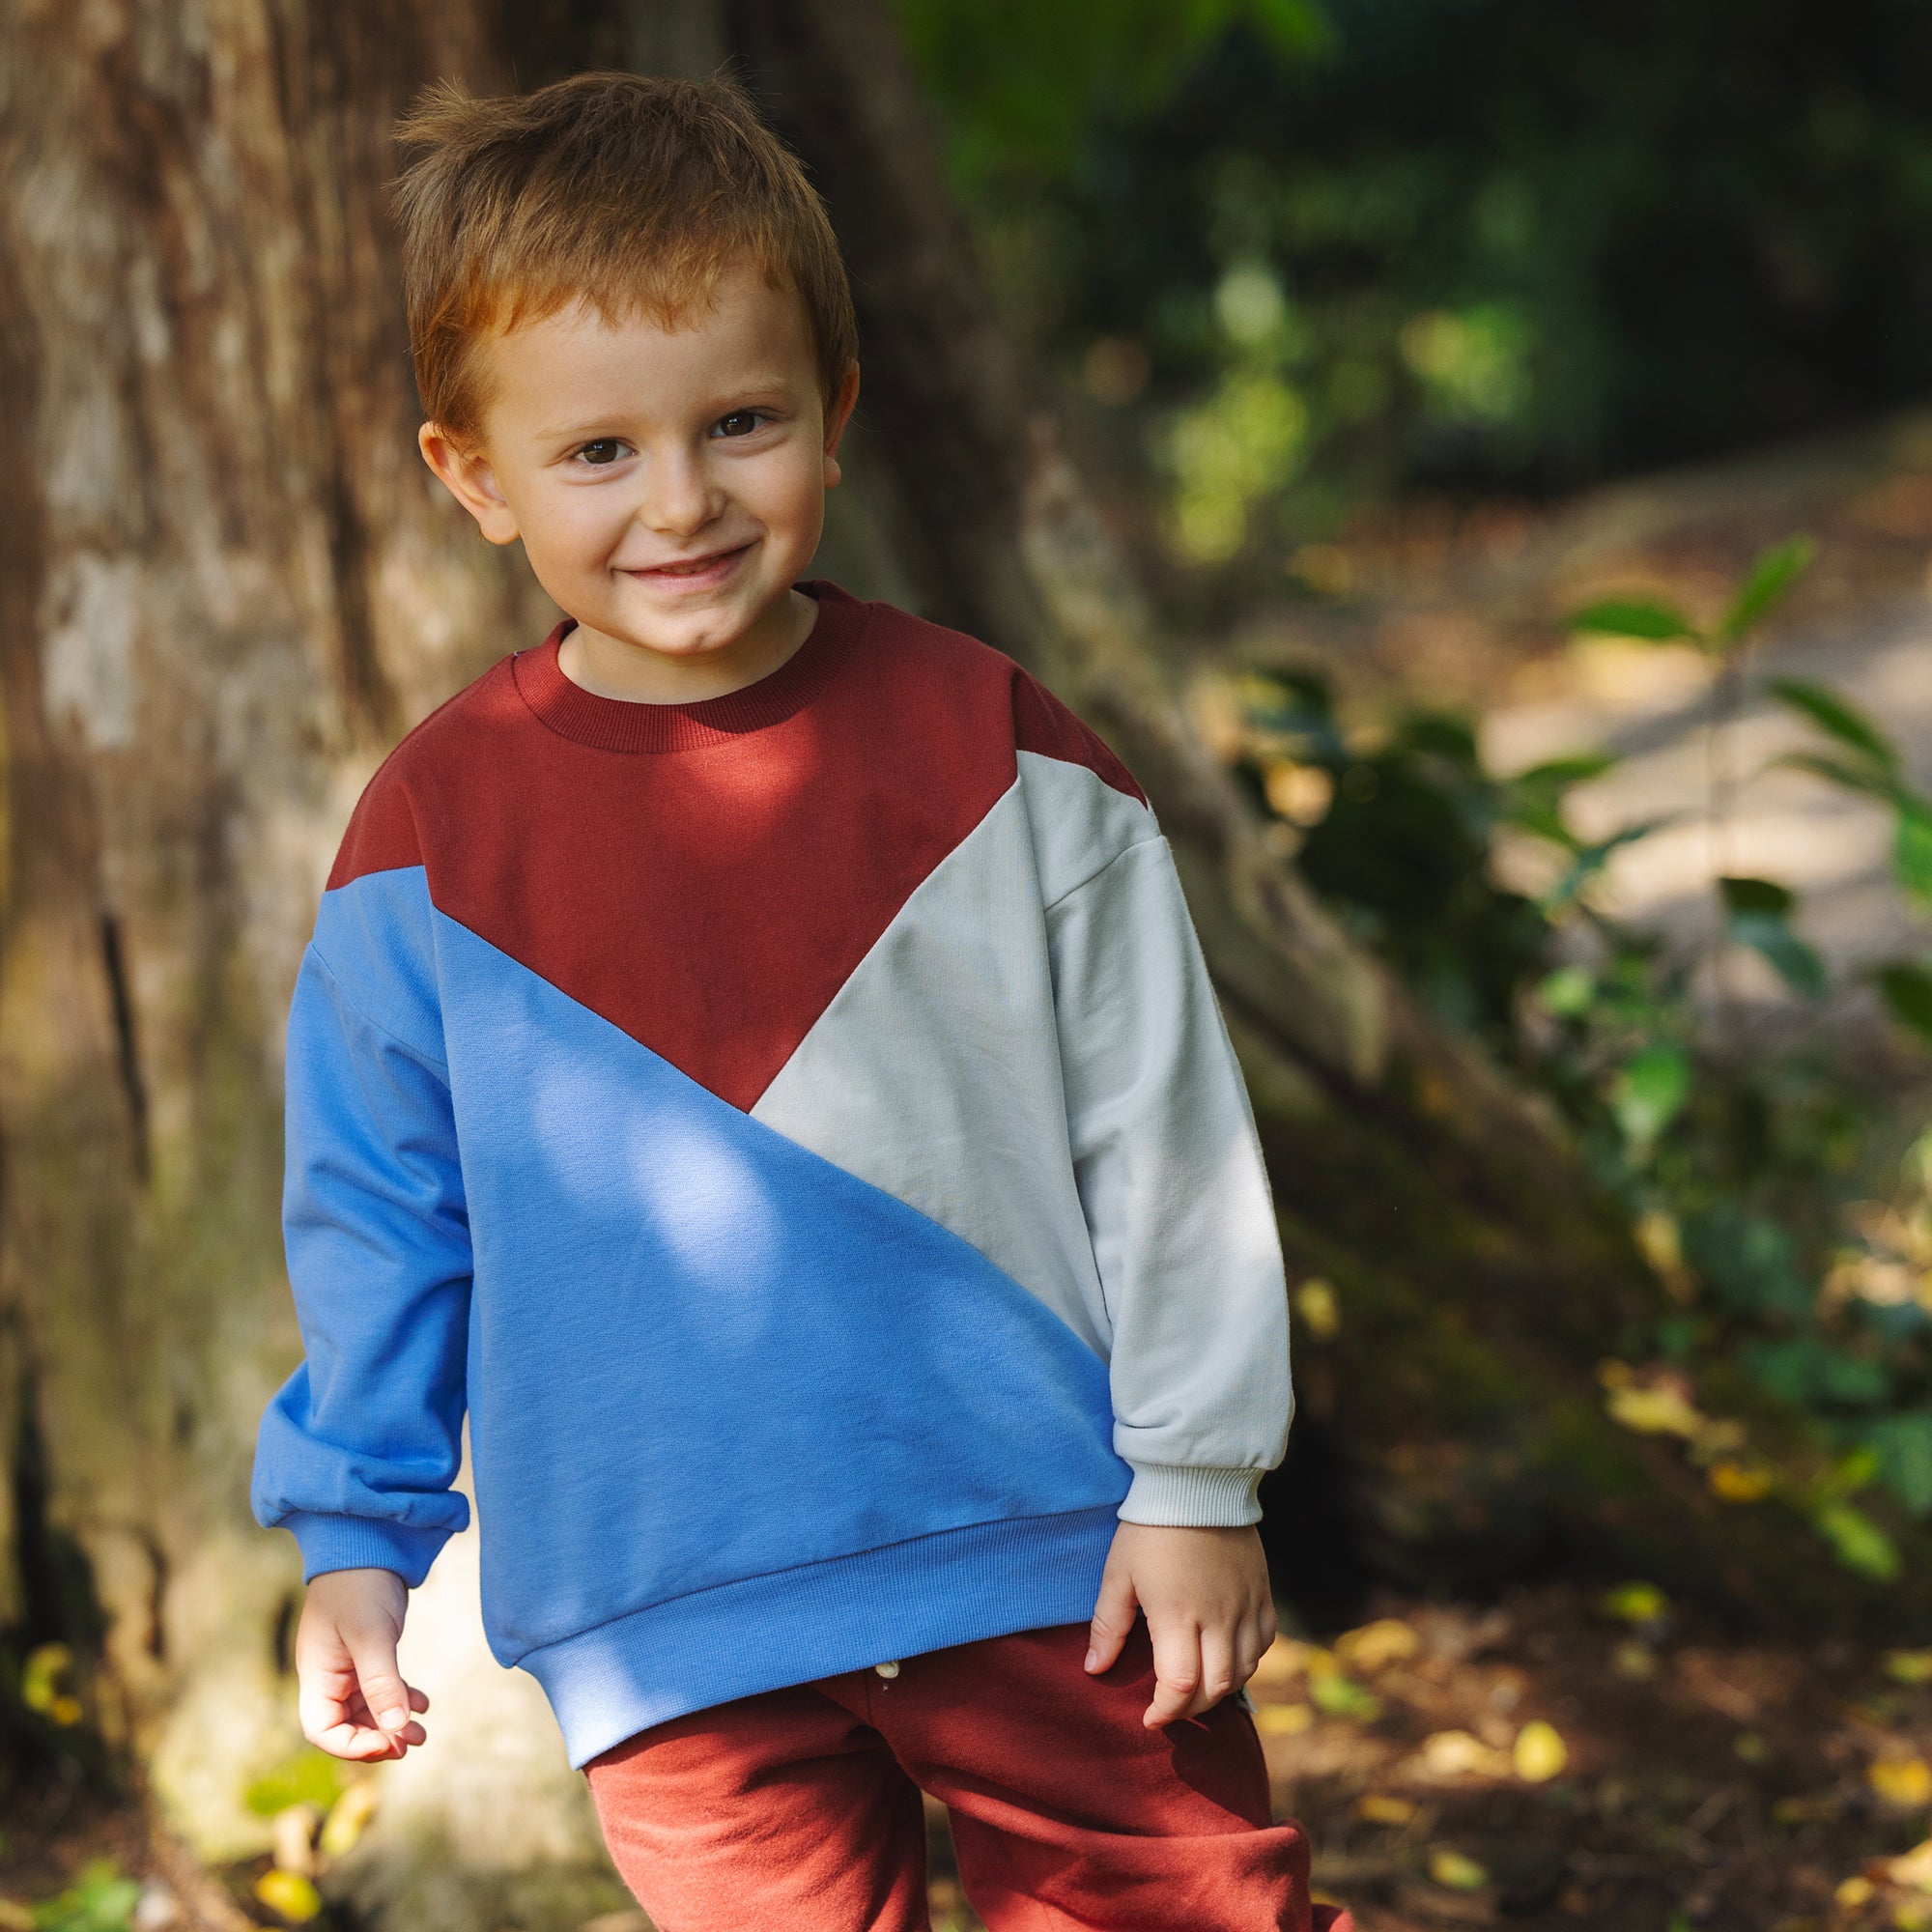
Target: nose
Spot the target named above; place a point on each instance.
(680, 497)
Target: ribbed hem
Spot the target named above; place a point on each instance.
(623, 725)
(767, 1633)
(362, 1543)
(1172, 1497)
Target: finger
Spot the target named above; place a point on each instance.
(1250, 1647)
(418, 1699)
(360, 1744)
(381, 1681)
(1217, 1670)
(1113, 1617)
(1177, 1672)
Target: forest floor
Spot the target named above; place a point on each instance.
(1558, 1762)
(1567, 1761)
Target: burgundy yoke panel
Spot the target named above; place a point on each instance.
(707, 876)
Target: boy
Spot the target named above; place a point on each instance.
(755, 1062)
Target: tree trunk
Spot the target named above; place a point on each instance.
(228, 585)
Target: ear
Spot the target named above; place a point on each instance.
(465, 473)
(835, 419)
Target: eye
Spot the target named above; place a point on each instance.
(740, 422)
(603, 450)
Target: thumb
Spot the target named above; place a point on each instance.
(1113, 1616)
(378, 1676)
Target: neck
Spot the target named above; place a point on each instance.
(608, 667)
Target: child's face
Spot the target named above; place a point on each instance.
(669, 485)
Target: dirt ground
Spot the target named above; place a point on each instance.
(1556, 1762)
(1561, 1762)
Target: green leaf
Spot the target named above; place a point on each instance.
(1590, 860)
(1761, 898)
(1751, 1262)
(1907, 989)
(1903, 1446)
(1649, 1093)
(1911, 847)
(1558, 775)
(1343, 1697)
(1633, 617)
(1864, 778)
(1568, 992)
(1293, 27)
(1836, 717)
(1771, 577)
(307, 1777)
(101, 1900)
(1857, 1542)
(1759, 917)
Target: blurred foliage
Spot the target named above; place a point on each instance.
(100, 1900)
(1790, 1349)
(1303, 252)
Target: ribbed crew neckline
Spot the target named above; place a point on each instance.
(625, 724)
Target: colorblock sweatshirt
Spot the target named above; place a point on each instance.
(797, 1131)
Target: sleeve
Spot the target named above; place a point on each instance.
(1175, 1198)
(357, 1452)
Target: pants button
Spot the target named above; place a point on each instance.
(886, 1670)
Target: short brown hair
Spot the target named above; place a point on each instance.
(628, 192)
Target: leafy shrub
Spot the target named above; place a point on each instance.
(1734, 1163)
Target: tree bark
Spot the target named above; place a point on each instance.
(227, 585)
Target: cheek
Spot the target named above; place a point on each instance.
(786, 490)
(577, 526)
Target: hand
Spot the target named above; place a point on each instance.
(1208, 1610)
(353, 1700)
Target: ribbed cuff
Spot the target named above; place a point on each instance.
(1172, 1496)
(363, 1543)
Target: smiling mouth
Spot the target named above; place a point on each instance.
(713, 565)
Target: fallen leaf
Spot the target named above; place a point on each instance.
(1854, 1892)
(1738, 1481)
(1540, 1752)
(1377, 1645)
(288, 1895)
(1904, 1781)
(1912, 1867)
(1636, 1603)
(1343, 1697)
(1283, 1720)
(1456, 1753)
(1380, 1808)
(1456, 1871)
(348, 1818)
(1909, 1667)
(1282, 1663)
(41, 1675)
(1315, 1302)
(1655, 1409)
(15, 1916)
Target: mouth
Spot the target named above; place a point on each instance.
(693, 572)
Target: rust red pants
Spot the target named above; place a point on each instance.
(799, 1810)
